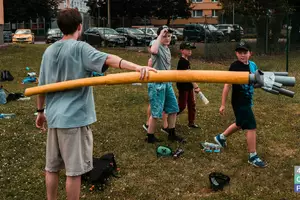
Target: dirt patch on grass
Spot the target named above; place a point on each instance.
(282, 149)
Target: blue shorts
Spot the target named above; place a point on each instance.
(162, 98)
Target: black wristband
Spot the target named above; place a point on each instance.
(120, 63)
(40, 110)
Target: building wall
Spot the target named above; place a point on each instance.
(80, 4)
(207, 7)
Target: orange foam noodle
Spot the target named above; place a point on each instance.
(204, 76)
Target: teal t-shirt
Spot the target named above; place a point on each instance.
(68, 60)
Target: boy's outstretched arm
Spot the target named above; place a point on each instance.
(225, 92)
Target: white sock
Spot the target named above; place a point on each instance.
(252, 154)
(222, 136)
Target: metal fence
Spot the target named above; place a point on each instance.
(277, 33)
(38, 26)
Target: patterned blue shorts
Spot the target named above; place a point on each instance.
(162, 98)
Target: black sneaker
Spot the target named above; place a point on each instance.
(164, 130)
(193, 126)
(176, 138)
(152, 140)
(145, 127)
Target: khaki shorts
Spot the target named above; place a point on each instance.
(70, 149)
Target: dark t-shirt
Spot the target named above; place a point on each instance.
(184, 64)
(241, 93)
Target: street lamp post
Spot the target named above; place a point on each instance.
(1, 21)
(233, 13)
(108, 14)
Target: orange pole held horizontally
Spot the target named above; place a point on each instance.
(204, 76)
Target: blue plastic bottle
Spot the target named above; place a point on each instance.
(2, 96)
(7, 116)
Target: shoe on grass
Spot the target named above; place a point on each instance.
(164, 130)
(256, 161)
(176, 138)
(152, 140)
(145, 127)
(220, 141)
(193, 126)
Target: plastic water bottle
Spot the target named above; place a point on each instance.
(31, 74)
(137, 84)
(211, 145)
(7, 116)
(2, 96)
(203, 98)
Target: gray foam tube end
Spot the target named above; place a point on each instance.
(286, 81)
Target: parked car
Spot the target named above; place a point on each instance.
(7, 36)
(53, 35)
(178, 34)
(135, 36)
(104, 37)
(202, 32)
(153, 32)
(23, 36)
(231, 31)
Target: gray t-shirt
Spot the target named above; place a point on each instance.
(161, 60)
(68, 60)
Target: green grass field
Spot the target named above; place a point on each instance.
(121, 111)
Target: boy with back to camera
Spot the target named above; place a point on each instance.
(70, 113)
(161, 95)
(242, 103)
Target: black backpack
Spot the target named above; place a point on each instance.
(104, 168)
(13, 96)
(6, 76)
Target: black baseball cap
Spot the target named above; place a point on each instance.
(163, 27)
(242, 45)
(187, 45)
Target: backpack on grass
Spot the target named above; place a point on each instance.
(6, 76)
(105, 167)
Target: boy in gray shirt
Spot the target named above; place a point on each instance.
(69, 113)
(161, 95)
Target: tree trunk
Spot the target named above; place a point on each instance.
(275, 27)
(261, 34)
(295, 32)
(1, 34)
(168, 21)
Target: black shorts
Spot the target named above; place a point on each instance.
(244, 117)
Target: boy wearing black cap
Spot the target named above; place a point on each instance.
(241, 101)
(161, 95)
(186, 90)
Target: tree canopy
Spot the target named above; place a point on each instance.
(167, 9)
(23, 10)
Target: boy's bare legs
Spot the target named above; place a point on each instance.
(171, 120)
(231, 129)
(148, 115)
(73, 187)
(171, 128)
(152, 125)
(221, 138)
(251, 140)
(51, 185)
(165, 120)
(151, 130)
